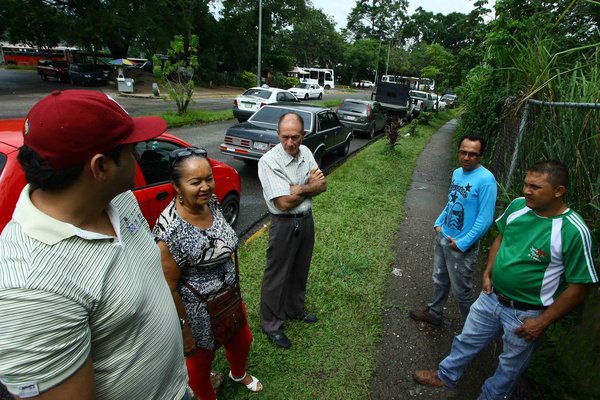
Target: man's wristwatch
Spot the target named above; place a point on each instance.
(182, 322)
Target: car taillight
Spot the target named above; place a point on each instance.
(235, 103)
(370, 115)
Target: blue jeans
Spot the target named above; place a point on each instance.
(452, 269)
(486, 321)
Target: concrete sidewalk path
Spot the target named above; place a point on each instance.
(408, 345)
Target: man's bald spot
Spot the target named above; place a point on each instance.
(291, 115)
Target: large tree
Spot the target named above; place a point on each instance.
(93, 24)
(239, 27)
(377, 19)
(314, 40)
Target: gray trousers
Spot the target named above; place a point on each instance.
(291, 242)
(452, 269)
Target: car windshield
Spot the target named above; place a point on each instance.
(2, 161)
(263, 94)
(303, 86)
(59, 63)
(354, 107)
(419, 95)
(449, 96)
(89, 67)
(270, 116)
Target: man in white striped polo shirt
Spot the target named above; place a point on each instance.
(539, 269)
(86, 312)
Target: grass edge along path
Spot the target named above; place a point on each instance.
(356, 224)
(192, 117)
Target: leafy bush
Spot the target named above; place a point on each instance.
(248, 78)
(284, 82)
(424, 117)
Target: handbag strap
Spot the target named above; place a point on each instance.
(237, 278)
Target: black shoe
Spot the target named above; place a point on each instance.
(279, 339)
(307, 317)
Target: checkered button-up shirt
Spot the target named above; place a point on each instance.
(277, 171)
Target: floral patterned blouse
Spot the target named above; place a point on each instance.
(205, 259)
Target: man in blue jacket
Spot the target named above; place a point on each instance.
(468, 214)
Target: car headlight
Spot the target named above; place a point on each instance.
(87, 76)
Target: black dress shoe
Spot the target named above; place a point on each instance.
(308, 318)
(279, 339)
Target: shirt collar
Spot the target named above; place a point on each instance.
(49, 230)
(288, 159)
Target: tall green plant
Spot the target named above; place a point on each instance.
(177, 72)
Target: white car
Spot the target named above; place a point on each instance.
(245, 105)
(367, 84)
(307, 91)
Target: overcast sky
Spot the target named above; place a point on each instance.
(340, 9)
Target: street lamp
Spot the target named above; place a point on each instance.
(259, 39)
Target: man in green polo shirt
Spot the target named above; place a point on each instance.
(539, 269)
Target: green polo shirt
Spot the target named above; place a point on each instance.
(539, 255)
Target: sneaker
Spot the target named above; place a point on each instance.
(425, 316)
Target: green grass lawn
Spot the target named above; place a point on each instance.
(196, 117)
(356, 223)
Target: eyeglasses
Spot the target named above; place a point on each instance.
(468, 154)
(179, 154)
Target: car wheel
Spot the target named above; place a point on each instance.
(319, 158)
(327, 87)
(306, 96)
(320, 96)
(231, 208)
(342, 151)
(250, 163)
(372, 131)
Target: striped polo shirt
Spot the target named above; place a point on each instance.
(277, 171)
(67, 294)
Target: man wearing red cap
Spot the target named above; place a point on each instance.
(86, 312)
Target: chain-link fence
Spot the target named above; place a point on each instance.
(536, 130)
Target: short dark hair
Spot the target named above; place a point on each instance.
(473, 138)
(176, 171)
(298, 117)
(40, 175)
(557, 172)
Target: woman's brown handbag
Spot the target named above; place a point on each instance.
(226, 313)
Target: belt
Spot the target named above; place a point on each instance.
(505, 301)
(298, 215)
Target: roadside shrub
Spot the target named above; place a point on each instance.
(391, 132)
(248, 78)
(412, 129)
(284, 82)
(424, 118)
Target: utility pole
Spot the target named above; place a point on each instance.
(259, 40)
(387, 62)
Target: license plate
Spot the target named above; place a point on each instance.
(350, 117)
(261, 146)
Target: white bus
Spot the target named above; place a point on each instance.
(323, 76)
(424, 84)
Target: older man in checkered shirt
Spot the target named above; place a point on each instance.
(290, 177)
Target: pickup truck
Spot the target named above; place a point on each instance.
(395, 99)
(58, 70)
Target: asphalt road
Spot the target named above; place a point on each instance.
(21, 89)
(252, 207)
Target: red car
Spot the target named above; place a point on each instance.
(153, 189)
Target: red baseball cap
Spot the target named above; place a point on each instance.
(69, 127)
